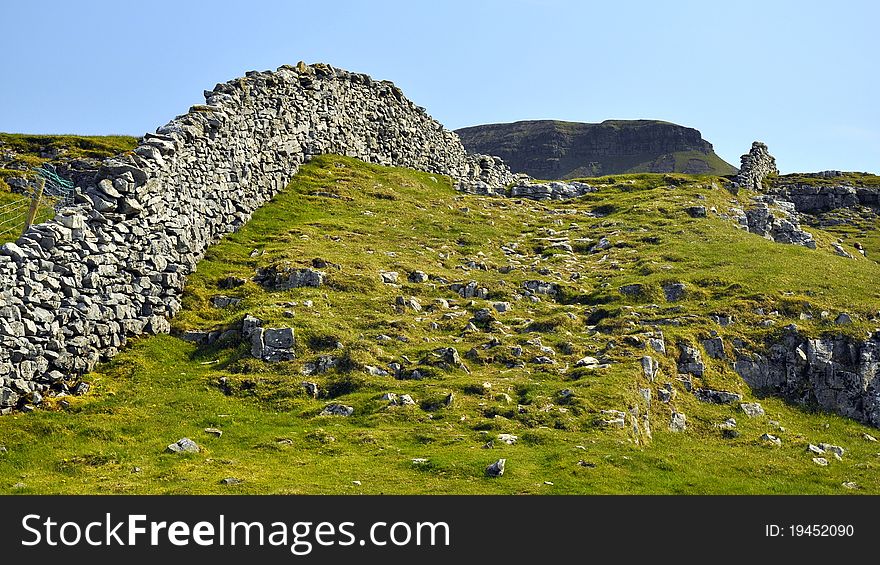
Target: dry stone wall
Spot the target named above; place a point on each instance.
(74, 289)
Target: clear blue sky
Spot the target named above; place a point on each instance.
(802, 76)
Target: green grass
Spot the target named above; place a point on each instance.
(30, 149)
(381, 219)
(850, 178)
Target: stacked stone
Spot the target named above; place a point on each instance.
(755, 166)
(72, 290)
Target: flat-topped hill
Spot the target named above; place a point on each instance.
(552, 149)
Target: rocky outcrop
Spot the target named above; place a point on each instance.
(556, 150)
(527, 188)
(839, 374)
(776, 220)
(756, 165)
(74, 289)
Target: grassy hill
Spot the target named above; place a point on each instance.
(553, 149)
(359, 220)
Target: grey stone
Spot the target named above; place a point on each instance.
(835, 449)
(649, 367)
(417, 277)
(696, 211)
(588, 362)
(752, 409)
(320, 365)
(690, 361)
(678, 423)
(496, 469)
(717, 396)
(280, 277)
(389, 277)
(770, 438)
(635, 289)
(674, 291)
(311, 388)
(230, 481)
(337, 410)
(714, 348)
(183, 445)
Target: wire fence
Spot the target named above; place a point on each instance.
(53, 192)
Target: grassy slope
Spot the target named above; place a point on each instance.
(162, 389)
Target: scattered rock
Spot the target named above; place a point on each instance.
(509, 439)
(311, 388)
(657, 344)
(389, 277)
(714, 348)
(649, 367)
(674, 291)
(320, 365)
(224, 301)
(272, 344)
(820, 461)
(214, 432)
(635, 289)
(614, 418)
(678, 423)
(417, 277)
(412, 303)
(229, 481)
(752, 409)
(850, 485)
(843, 319)
(337, 410)
(835, 449)
(696, 211)
(717, 396)
(770, 438)
(588, 362)
(183, 445)
(690, 361)
(666, 393)
(496, 469)
(280, 277)
(868, 437)
(840, 251)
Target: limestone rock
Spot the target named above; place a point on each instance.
(337, 410)
(183, 445)
(496, 469)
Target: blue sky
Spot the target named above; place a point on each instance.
(800, 75)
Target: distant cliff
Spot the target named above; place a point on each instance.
(550, 149)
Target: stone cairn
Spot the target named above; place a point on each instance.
(75, 288)
(755, 166)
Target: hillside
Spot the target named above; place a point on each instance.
(551, 149)
(491, 374)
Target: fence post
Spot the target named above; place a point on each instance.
(32, 213)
